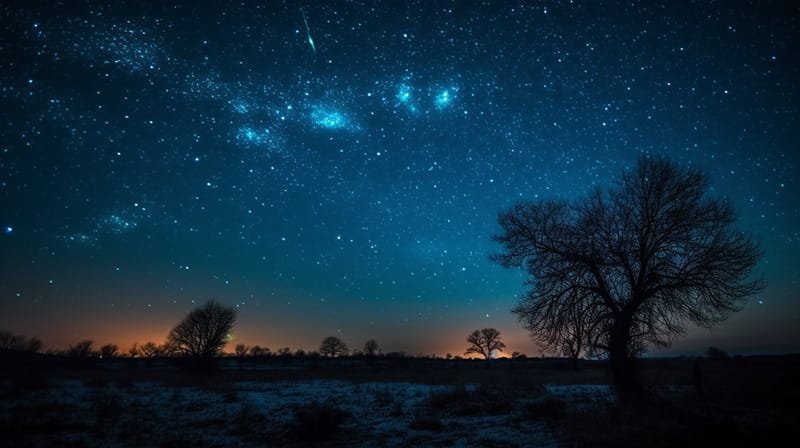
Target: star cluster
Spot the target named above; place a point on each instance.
(156, 155)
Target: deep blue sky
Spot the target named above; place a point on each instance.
(345, 177)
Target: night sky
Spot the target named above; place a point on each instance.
(336, 168)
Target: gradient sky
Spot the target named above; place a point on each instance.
(336, 168)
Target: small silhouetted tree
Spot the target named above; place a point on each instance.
(371, 348)
(34, 345)
(284, 351)
(81, 350)
(203, 333)
(11, 341)
(7, 340)
(109, 351)
(257, 350)
(332, 347)
(134, 352)
(716, 353)
(485, 342)
(151, 350)
(241, 351)
(645, 258)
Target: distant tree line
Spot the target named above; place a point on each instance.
(204, 332)
(11, 341)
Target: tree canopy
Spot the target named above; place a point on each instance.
(203, 332)
(333, 347)
(633, 265)
(485, 342)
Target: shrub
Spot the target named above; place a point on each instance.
(383, 397)
(248, 420)
(426, 422)
(461, 402)
(443, 400)
(30, 380)
(125, 383)
(317, 422)
(550, 409)
(108, 409)
(230, 395)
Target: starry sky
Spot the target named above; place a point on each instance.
(336, 168)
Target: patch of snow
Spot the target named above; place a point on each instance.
(581, 395)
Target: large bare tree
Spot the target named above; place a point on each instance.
(333, 347)
(203, 332)
(485, 342)
(638, 263)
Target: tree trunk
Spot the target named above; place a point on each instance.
(623, 365)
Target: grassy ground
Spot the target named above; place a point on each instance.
(392, 402)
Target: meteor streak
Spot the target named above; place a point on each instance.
(308, 32)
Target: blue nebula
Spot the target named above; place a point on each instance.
(405, 97)
(253, 136)
(443, 99)
(328, 118)
(117, 224)
(403, 93)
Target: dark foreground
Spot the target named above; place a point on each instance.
(52, 401)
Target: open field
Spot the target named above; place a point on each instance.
(49, 401)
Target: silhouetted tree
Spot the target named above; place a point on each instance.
(371, 348)
(152, 350)
(109, 351)
(716, 353)
(203, 332)
(284, 351)
(645, 258)
(485, 342)
(133, 352)
(34, 345)
(576, 336)
(82, 350)
(241, 351)
(7, 340)
(11, 341)
(332, 347)
(259, 351)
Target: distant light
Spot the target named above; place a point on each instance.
(8, 230)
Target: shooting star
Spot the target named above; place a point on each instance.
(308, 32)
